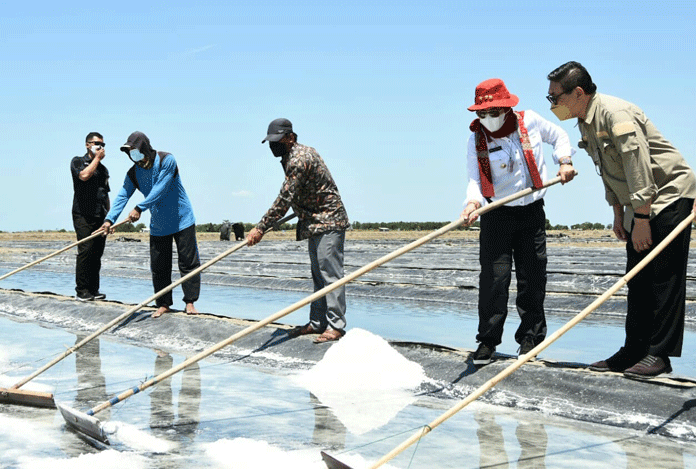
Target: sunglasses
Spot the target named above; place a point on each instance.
(493, 112)
(99, 144)
(554, 99)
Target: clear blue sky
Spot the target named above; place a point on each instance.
(379, 88)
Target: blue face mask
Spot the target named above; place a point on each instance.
(135, 155)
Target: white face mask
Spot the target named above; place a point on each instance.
(493, 123)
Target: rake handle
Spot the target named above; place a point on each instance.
(83, 240)
(135, 308)
(543, 345)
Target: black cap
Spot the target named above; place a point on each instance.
(277, 129)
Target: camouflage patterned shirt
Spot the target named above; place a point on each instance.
(311, 192)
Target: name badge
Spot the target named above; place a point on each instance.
(495, 149)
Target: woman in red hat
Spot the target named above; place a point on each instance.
(504, 157)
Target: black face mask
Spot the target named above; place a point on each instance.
(279, 149)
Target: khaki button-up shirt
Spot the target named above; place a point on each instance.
(637, 164)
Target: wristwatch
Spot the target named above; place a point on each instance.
(565, 160)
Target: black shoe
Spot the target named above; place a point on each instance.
(526, 346)
(98, 296)
(483, 354)
(648, 367)
(618, 362)
(84, 297)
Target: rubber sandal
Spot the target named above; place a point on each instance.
(329, 335)
(302, 330)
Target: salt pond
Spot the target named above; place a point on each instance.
(222, 414)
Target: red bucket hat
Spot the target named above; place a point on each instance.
(493, 93)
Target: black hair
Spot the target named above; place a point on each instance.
(571, 75)
(92, 135)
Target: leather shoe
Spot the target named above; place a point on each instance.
(617, 362)
(648, 367)
(302, 330)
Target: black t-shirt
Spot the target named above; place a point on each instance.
(91, 196)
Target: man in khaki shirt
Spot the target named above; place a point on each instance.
(651, 189)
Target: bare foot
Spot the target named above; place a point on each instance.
(160, 311)
(190, 309)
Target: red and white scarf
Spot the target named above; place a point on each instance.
(482, 135)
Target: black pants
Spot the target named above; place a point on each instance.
(89, 254)
(657, 294)
(507, 234)
(161, 264)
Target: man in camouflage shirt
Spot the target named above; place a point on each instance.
(322, 219)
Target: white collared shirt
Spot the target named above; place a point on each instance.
(508, 167)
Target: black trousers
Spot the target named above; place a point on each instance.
(89, 254)
(188, 259)
(507, 234)
(657, 294)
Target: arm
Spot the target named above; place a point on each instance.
(641, 236)
(121, 199)
(618, 228)
(562, 150)
(474, 198)
(88, 172)
(632, 147)
(633, 150)
(280, 206)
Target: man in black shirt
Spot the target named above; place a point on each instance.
(90, 206)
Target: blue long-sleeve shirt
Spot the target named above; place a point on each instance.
(165, 197)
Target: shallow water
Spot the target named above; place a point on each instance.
(440, 323)
(226, 415)
(234, 416)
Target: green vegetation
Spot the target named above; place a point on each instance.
(130, 228)
(356, 225)
(404, 226)
(215, 227)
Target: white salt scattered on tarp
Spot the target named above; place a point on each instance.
(4, 359)
(363, 380)
(245, 453)
(110, 459)
(22, 436)
(137, 439)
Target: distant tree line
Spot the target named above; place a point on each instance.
(130, 228)
(356, 225)
(215, 227)
(435, 225)
(400, 226)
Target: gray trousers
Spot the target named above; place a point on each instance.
(326, 256)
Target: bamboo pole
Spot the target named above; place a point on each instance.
(99, 232)
(532, 353)
(315, 296)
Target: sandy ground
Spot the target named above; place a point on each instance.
(554, 236)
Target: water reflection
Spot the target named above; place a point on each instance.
(91, 384)
(531, 437)
(162, 418)
(329, 432)
(91, 390)
(639, 454)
